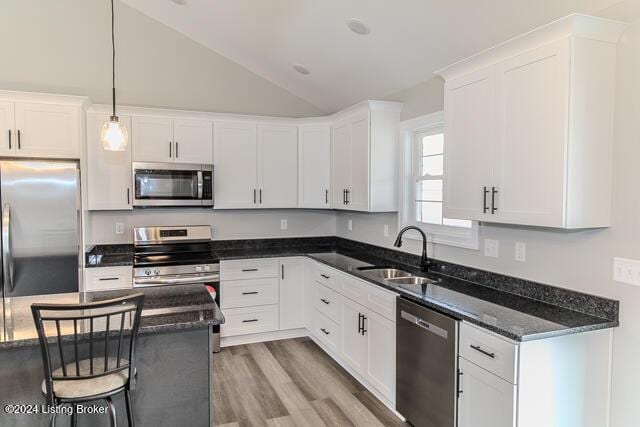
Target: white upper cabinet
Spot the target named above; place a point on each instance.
(528, 128)
(109, 173)
(277, 166)
(364, 144)
(163, 139)
(314, 166)
(234, 165)
(193, 143)
(152, 139)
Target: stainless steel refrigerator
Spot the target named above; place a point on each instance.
(40, 202)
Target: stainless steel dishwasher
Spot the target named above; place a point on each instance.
(426, 365)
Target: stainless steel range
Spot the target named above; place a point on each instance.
(173, 256)
(177, 256)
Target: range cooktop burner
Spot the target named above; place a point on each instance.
(172, 246)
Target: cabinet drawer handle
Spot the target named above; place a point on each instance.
(250, 293)
(103, 279)
(485, 208)
(325, 301)
(494, 209)
(246, 270)
(486, 353)
(249, 320)
(325, 276)
(325, 331)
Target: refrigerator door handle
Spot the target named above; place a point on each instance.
(7, 259)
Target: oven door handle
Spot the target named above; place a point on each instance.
(200, 183)
(153, 281)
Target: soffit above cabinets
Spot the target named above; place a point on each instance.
(408, 41)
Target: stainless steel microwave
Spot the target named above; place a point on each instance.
(172, 184)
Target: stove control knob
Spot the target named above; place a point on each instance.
(147, 272)
(207, 268)
(198, 268)
(156, 271)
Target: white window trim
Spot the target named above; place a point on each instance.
(440, 234)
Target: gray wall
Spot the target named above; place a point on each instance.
(64, 46)
(578, 260)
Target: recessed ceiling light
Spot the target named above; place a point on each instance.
(180, 2)
(301, 69)
(358, 26)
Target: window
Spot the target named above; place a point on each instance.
(423, 184)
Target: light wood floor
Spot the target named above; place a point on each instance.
(290, 383)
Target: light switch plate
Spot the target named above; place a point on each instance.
(491, 248)
(119, 228)
(521, 251)
(626, 271)
(283, 224)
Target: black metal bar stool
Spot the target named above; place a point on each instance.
(88, 352)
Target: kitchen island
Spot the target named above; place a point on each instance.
(174, 356)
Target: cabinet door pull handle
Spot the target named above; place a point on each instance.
(364, 331)
(360, 323)
(459, 382)
(254, 196)
(344, 196)
(261, 196)
(170, 148)
(494, 209)
(325, 331)
(177, 155)
(282, 271)
(325, 301)
(250, 293)
(19, 140)
(485, 191)
(485, 352)
(9, 139)
(249, 320)
(325, 276)
(245, 270)
(326, 192)
(104, 279)
(128, 196)
(348, 192)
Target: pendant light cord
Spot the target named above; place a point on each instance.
(113, 60)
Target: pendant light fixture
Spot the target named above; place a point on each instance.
(114, 135)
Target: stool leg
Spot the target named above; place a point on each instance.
(127, 394)
(112, 412)
(52, 420)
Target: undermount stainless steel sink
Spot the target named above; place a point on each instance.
(412, 280)
(385, 273)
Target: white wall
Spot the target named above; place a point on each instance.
(578, 260)
(421, 99)
(64, 46)
(237, 224)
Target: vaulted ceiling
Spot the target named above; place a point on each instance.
(409, 39)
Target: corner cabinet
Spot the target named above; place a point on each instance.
(529, 128)
(314, 166)
(40, 126)
(364, 146)
(109, 174)
(255, 165)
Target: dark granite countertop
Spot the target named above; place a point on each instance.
(518, 309)
(166, 308)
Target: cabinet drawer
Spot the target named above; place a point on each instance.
(326, 330)
(326, 301)
(248, 293)
(249, 320)
(490, 352)
(248, 269)
(328, 277)
(105, 278)
(372, 297)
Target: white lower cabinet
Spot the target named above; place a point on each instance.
(249, 320)
(354, 341)
(381, 353)
(292, 293)
(486, 400)
(108, 278)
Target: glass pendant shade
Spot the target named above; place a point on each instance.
(114, 135)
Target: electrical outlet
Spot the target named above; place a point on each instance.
(491, 248)
(521, 251)
(119, 228)
(626, 271)
(283, 224)
(386, 230)
(350, 225)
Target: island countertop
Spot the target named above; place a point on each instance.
(166, 308)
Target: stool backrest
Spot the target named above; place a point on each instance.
(82, 341)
